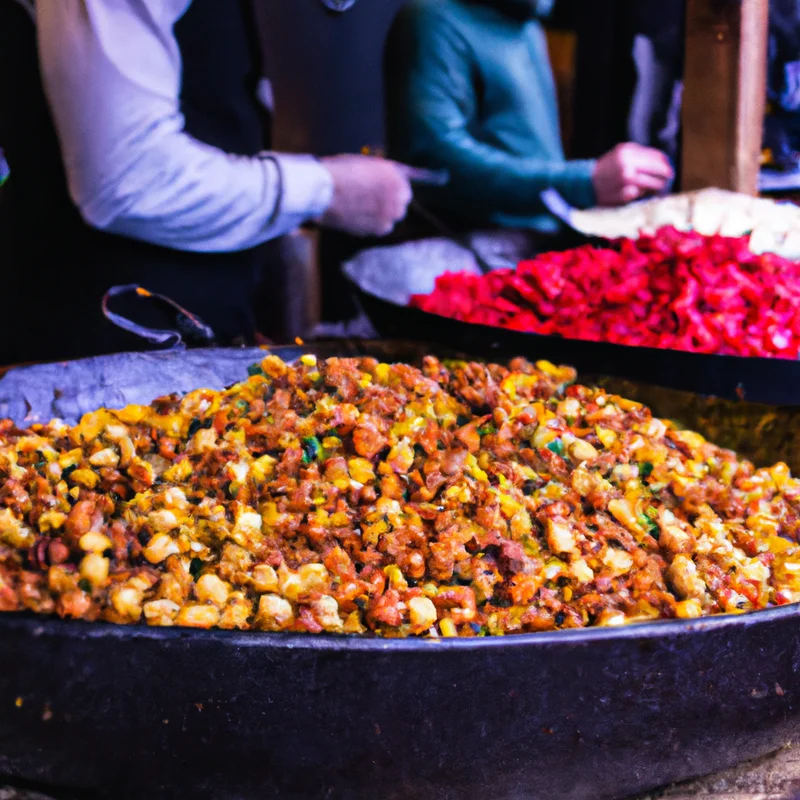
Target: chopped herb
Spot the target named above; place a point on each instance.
(311, 449)
(85, 586)
(195, 568)
(40, 464)
(243, 406)
(557, 447)
(487, 430)
(255, 369)
(651, 526)
(462, 421)
(530, 545)
(68, 471)
(645, 470)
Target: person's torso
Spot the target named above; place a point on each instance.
(61, 266)
(517, 108)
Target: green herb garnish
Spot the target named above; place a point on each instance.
(311, 449)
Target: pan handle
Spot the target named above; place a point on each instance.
(188, 324)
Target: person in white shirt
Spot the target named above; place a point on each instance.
(135, 141)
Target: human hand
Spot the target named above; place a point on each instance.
(370, 195)
(629, 172)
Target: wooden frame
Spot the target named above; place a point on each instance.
(725, 90)
(725, 86)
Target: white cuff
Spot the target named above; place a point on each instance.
(306, 186)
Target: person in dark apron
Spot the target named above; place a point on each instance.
(57, 267)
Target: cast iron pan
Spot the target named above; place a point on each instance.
(384, 279)
(96, 710)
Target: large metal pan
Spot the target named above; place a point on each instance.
(128, 712)
(384, 279)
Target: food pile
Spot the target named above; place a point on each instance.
(674, 290)
(352, 496)
(772, 227)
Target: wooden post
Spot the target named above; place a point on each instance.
(725, 90)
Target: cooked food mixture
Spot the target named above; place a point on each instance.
(352, 496)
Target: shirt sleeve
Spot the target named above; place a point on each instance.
(432, 117)
(112, 71)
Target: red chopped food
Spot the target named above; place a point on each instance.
(673, 290)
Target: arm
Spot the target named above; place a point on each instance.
(432, 114)
(112, 70)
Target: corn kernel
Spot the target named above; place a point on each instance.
(353, 623)
(163, 521)
(274, 613)
(211, 589)
(51, 520)
(105, 458)
(448, 628)
(582, 451)
(179, 471)
(264, 579)
(194, 616)
(611, 619)
(560, 537)
(175, 498)
(607, 437)
(422, 613)
(621, 511)
(326, 611)
(85, 477)
(161, 612)
(237, 612)
(581, 571)
(361, 470)
(13, 532)
(127, 602)
(94, 542)
(313, 577)
(618, 561)
(94, 568)
(688, 609)
(160, 547)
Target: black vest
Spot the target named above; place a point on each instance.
(55, 268)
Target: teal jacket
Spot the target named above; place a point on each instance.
(471, 89)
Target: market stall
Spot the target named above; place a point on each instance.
(540, 539)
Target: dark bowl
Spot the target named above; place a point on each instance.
(96, 710)
(134, 712)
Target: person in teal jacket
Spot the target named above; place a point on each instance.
(470, 88)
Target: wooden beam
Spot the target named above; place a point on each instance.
(725, 91)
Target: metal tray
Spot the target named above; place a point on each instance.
(96, 710)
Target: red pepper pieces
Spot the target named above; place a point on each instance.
(673, 290)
